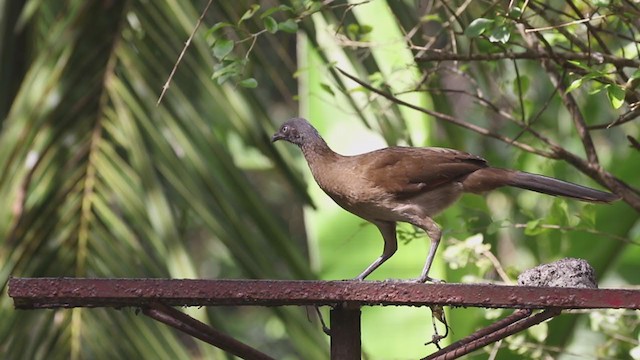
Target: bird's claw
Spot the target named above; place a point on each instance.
(428, 279)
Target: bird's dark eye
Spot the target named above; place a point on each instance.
(285, 129)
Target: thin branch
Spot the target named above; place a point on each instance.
(586, 230)
(478, 99)
(569, 101)
(538, 115)
(520, 96)
(634, 143)
(596, 57)
(497, 266)
(624, 118)
(455, 15)
(591, 32)
(451, 119)
(541, 8)
(575, 22)
(165, 87)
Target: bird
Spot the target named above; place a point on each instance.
(411, 184)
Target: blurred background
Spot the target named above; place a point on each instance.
(98, 180)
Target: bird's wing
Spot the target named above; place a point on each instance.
(405, 171)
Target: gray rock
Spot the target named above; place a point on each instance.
(566, 272)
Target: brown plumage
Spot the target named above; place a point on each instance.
(411, 184)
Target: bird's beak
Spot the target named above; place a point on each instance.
(277, 136)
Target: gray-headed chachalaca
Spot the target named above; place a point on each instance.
(411, 184)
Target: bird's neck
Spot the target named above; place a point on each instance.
(316, 150)
(324, 164)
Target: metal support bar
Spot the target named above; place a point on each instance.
(185, 323)
(345, 333)
(65, 292)
(517, 315)
(501, 329)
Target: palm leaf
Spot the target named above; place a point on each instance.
(104, 183)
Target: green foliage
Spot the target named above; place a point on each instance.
(249, 13)
(289, 25)
(498, 30)
(225, 36)
(478, 26)
(616, 94)
(100, 181)
(358, 32)
(222, 48)
(270, 24)
(618, 325)
(596, 76)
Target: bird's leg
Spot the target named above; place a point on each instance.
(433, 231)
(388, 231)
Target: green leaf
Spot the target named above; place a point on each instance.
(270, 24)
(365, 29)
(580, 65)
(212, 30)
(521, 84)
(515, 12)
(574, 85)
(249, 83)
(633, 82)
(327, 88)
(588, 216)
(534, 228)
(500, 34)
(352, 30)
(596, 88)
(616, 94)
(222, 48)
(222, 72)
(559, 213)
(478, 26)
(313, 6)
(275, 9)
(249, 13)
(289, 25)
(494, 227)
(358, 32)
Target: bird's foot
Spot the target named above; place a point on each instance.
(424, 279)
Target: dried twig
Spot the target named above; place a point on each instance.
(165, 87)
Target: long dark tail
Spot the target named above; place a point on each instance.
(483, 179)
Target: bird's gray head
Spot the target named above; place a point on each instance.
(296, 131)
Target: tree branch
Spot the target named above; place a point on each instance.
(451, 119)
(596, 57)
(539, 45)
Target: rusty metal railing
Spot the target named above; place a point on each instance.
(156, 296)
